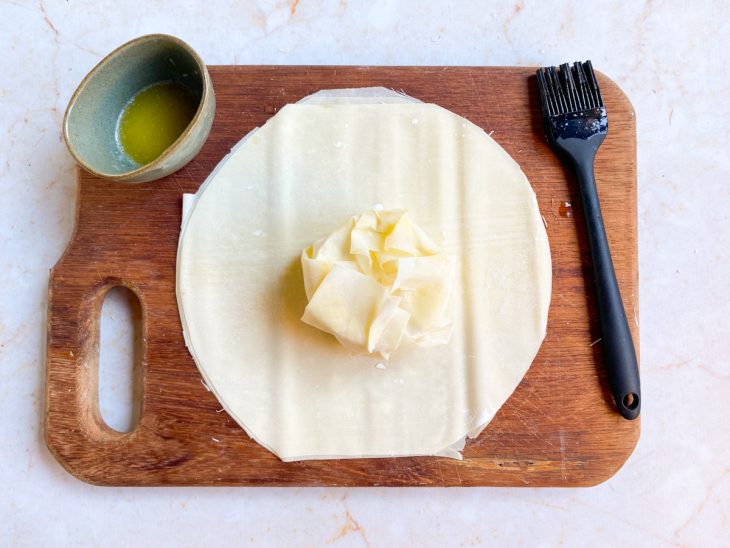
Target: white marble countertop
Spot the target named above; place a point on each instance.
(669, 57)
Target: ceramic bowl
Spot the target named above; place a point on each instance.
(90, 122)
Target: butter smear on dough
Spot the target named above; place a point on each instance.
(379, 280)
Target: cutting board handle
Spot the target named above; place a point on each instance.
(72, 373)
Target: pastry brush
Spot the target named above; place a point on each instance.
(575, 125)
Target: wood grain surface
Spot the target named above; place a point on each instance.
(559, 428)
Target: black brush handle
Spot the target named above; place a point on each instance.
(619, 355)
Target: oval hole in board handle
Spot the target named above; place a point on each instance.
(120, 358)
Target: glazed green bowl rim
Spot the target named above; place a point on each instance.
(189, 129)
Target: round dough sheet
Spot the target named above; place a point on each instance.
(295, 389)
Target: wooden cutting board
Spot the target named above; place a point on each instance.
(559, 428)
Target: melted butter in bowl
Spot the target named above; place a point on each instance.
(154, 119)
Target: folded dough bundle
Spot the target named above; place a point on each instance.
(376, 279)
